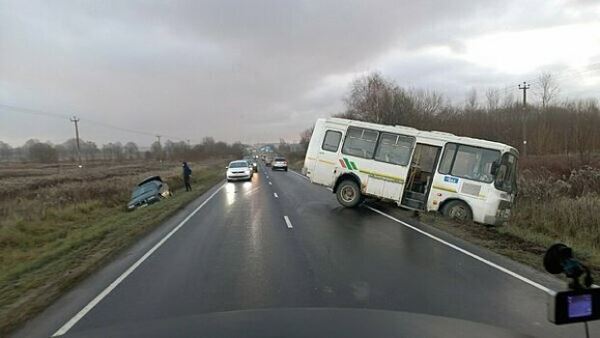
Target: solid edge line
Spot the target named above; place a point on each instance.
(304, 177)
(68, 325)
(468, 253)
(287, 222)
(275, 194)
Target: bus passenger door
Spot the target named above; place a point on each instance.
(387, 172)
(420, 176)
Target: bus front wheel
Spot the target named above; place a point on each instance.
(458, 210)
(348, 194)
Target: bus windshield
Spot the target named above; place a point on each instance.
(469, 162)
(506, 175)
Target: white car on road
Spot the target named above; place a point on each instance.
(279, 163)
(239, 170)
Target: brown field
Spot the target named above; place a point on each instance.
(58, 223)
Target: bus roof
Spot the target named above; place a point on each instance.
(437, 135)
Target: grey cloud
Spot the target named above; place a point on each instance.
(230, 69)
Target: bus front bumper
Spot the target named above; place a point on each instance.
(501, 217)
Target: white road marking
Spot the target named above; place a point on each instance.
(270, 183)
(330, 189)
(287, 222)
(304, 177)
(275, 194)
(472, 255)
(68, 325)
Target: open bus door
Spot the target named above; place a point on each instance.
(420, 176)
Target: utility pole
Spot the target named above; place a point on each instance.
(75, 120)
(524, 88)
(160, 149)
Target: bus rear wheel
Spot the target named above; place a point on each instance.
(458, 210)
(348, 194)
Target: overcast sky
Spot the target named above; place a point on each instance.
(260, 70)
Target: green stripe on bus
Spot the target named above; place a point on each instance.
(347, 163)
(354, 166)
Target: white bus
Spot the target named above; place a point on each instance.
(464, 178)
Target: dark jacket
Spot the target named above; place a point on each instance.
(187, 171)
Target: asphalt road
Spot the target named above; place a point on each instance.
(281, 242)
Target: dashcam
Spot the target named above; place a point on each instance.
(574, 306)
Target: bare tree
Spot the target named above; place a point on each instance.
(43, 153)
(492, 97)
(156, 150)
(5, 151)
(375, 99)
(131, 150)
(471, 100)
(546, 89)
(508, 100)
(427, 102)
(305, 137)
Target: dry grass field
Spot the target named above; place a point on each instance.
(59, 223)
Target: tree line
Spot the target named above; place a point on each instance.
(553, 126)
(45, 152)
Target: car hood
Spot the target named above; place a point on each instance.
(230, 170)
(300, 322)
(142, 197)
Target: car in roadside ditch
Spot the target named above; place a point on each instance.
(239, 170)
(148, 191)
(279, 163)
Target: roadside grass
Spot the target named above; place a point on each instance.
(54, 237)
(296, 165)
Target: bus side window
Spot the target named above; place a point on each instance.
(332, 141)
(394, 148)
(446, 163)
(360, 142)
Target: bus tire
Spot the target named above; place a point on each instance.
(348, 194)
(458, 210)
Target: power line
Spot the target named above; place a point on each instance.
(33, 112)
(86, 120)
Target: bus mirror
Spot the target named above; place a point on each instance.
(494, 168)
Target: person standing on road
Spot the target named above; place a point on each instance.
(187, 173)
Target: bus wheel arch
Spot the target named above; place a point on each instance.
(345, 176)
(347, 190)
(456, 208)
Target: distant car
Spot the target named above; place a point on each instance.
(268, 161)
(239, 170)
(148, 191)
(252, 163)
(279, 163)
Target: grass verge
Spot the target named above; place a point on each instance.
(73, 242)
